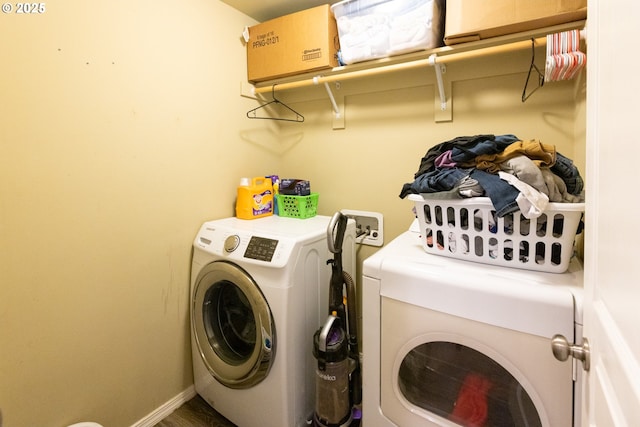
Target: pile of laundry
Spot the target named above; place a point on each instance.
(515, 174)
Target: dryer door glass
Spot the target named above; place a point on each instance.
(465, 386)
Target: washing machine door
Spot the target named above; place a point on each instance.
(233, 325)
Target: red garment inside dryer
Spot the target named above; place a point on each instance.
(471, 408)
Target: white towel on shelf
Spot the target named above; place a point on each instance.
(389, 29)
(363, 37)
(411, 29)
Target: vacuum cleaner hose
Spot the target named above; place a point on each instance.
(354, 353)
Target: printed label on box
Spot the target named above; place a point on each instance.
(266, 39)
(312, 54)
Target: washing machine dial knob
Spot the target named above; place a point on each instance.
(231, 243)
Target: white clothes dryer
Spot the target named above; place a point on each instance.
(449, 342)
(259, 290)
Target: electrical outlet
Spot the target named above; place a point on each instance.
(369, 226)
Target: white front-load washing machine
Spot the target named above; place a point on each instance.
(259, 290)
(449, 342)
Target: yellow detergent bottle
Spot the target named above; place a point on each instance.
(255, 198)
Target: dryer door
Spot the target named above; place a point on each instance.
(233, 325)
(444, 370)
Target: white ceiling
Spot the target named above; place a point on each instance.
(263, 10)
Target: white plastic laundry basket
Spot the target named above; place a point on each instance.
(469, 229)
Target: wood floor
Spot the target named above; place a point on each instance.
(195, 413)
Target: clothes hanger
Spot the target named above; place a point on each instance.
(564, 58)
(532, 67)
(299, 118)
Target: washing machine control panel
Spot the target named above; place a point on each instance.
(236, 244)
(261, 248)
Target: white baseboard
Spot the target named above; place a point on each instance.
(168, 407)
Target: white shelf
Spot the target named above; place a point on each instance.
(433, 57)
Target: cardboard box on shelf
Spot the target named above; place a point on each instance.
(301, 42)
(471, 20)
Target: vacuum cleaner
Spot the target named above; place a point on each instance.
(335, 344)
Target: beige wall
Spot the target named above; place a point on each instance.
(118, 137)
(122, 130)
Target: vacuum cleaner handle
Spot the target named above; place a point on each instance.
(335, 232)
(335, 237)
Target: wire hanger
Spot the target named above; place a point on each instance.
(532, 67)
(299, 118)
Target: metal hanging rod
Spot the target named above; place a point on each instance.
(431, 61)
